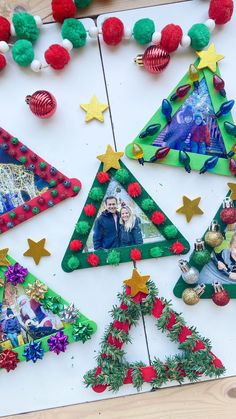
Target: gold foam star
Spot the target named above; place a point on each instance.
(110, 159)
(232, 186)
(190, 208)
(37, 250)
(209, 58)
(3, 257)
(36, 290)
(137, 283)
(94, 109)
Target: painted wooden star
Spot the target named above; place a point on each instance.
(209, 58)
(232, 186)
(37, 250)
(3, 257)
(137, 283)
(94, 109)
(110, 159)
(190, 208)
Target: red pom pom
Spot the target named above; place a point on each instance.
(135, 254)
(57, 56)
(158, 218)
(90, 210)
(148, 374)
(112, 31)
(2, 62)
(103, 177)
(62, 9)
(5, 29)
(76, 245)
(8, 360)
(221, 11)
(171, 36)
(93, 260)
(134, 189)
(228, 215)
(177, 248)
(217, 362)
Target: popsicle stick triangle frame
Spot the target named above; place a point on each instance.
(76, 258)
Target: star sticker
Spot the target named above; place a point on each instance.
(137, 283)
(37, 250)
(94, 109)
(209, 58)
(190, 208)
(110, 159)
(232, 186)
(3, 257)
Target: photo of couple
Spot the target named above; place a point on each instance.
(120, 222)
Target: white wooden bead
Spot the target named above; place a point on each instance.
(127, 33)
(13, 32)
(156, 37)
(185, 41)
(36, 66)
(38, 21)
(210, 23)
(67, 44)
(93, 32)
(4, 47)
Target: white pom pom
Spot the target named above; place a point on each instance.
(93, 32)
(38, 21)
(156, 37)
(210, 23)
(185, 41)
(127, 33)
(13, 32)
(36, 66)
(4, 47)
(67, 44)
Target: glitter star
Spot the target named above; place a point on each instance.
(37, 250)
(190, 208)
(110, 159)
(94, 109)
(137, 283)
(3, 257)
(209, 58)
(232, 186)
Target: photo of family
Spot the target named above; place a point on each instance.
(194, 127)
(23, 319)
(120, 222)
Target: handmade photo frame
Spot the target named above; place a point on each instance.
(192, 128)
(28, 184)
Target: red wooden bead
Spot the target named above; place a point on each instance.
(112, 31)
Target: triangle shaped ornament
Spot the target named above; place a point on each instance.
(120, 222)
(193, 128)
(140, 297)
(28, 184)
(33, 318)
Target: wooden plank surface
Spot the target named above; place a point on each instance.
(212, 399)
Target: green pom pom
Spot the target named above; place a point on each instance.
(170, 232)
(74, 30)
(82, 3)
(23, 53)
(122, 176)
(73, 262)
(113, 257)
(96, 194)
(143, 31)
(200, 36)
(200, 258)
(82, 227)
(25, 26)
(156, 252)
(148, 204)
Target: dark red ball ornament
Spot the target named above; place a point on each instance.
(42, 103)
(155, 59)
(220, 296)
(228, 213)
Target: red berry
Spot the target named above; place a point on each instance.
(112, 31)
(62, 10)
(2, 62)
(158, 218)
(177, 248)
(135, 254)
(5, 29)
(221, 11)
(103, 177)
(93, 259)
(76, 245)
(134, 189)
(171, 36)
(57, 56)
(90, 210)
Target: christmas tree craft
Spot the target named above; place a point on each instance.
(33, 318)
(120, 222)
(193, 128)
(211, 270)
(140, 297)
(28, 184)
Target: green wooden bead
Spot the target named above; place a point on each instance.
(25, 26)
(200, 36)
(23, 53)
(74, 30)
(143, 31)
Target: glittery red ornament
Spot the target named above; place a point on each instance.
(228, 215)
(3, 62)
(76, 245)
(232, 166)
(103, 177)
(134, 189)
(135, 255)
(112, 31)
(57, 56)
(63, 9)
(155, 59)
(177, 248)
(221, 11)
(158, 218)
(220, 296)
(8, 360)
(93, 260)
(171, 36)
(90, 210)
(42, 103)
(5, 29)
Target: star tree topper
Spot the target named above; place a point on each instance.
(137, 283)
(190, 208)
(209, 58)
(232, 186)
(110, 159)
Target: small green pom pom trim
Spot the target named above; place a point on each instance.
(96, 194)
(23, 53)
(113, 257)
(82, 227)
(156, 252)
(170, 232)
(200, 258)
(122, 176)
(25, 26)
(143, 31)
(82, 3)
(74, 30)
(148, 204)
(73, 262)
(200, 36)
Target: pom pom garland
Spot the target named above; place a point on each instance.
(221, 11)
(171, 37)
(112, 31)
(2, 62)
(57, 56)
(62, 10)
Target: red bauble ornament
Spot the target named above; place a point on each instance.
(220, 296)
(3, 62)
(57, 56)
(177, 248)
(232, 166)
(221, 11)
(76, 245)
(103, 177)
(228, 215)
(8, 360)
(158, 218)
(90, 210)
(63, 9)
(5, 29)
(134, 189)
(155, 59)
(42, 103)
(112, 31)
(135, 255)
(93, 260)
(171, 36)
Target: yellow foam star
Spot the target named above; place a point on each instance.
(137, 283)
(3, 257)
(190, 208)
(94, 109)
(209, 58)
(110, 159)
(37, 250)
(232, 186)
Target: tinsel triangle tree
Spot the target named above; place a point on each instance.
(140, 297)
(114, 179)
(33, 318)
